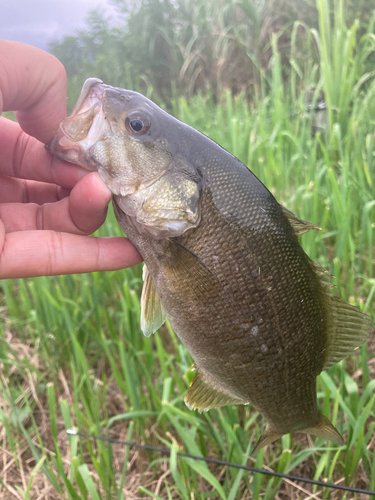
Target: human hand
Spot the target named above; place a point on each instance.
(47, 206)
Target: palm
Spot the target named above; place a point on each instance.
(47, 206)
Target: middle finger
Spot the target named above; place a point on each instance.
(83, 212)
(22, 191)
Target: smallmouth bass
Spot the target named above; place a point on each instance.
(222, 261)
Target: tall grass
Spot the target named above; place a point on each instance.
(169, 48)
(72, 353)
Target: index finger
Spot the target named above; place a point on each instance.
(33, 83)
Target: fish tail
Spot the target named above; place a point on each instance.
(326, 430)
(323, 429)
(268, 437)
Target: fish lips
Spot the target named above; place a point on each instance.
(83, 128)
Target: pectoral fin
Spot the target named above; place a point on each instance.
(187, 272)
(205, 393)
(152, 313)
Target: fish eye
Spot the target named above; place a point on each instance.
(137, 123)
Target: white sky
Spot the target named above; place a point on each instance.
(37, 22)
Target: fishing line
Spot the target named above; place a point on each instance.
(166, 451)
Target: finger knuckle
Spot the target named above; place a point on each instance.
(55, 253)
(20, 153)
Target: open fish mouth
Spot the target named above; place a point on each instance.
(85, 126)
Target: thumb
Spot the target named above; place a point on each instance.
(88, 203)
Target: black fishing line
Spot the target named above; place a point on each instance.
(166, 451)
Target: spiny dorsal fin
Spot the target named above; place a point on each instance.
(325, 430)
(348, 328)
(300, 226)
(318, 268)
(206, 393)
(322, 273)
(152, 312)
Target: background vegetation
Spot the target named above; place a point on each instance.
(249, 75)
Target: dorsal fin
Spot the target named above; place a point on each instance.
(318, 268)
(300, 226)
(347, 330)
(152, 312)
(205, 393)
(347, 326)
(323, 274)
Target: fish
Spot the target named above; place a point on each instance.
(222, 261)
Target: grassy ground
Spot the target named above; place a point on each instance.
(72, 353)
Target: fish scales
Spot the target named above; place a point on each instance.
(245, 247)
(223, 261)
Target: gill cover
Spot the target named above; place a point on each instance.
(169, 206)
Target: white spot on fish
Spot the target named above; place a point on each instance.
(270, 288)
(302, 300)
(254, 331)
(264, 348)
(260, 321)
(215, 257)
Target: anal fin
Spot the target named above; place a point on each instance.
(152, 312)
(206, 393)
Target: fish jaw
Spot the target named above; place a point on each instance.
(80, 131)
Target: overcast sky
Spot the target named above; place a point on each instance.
(37, 22)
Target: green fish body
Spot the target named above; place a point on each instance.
(223, 261)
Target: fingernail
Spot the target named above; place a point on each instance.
(106, 192)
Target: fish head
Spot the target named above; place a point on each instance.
(117, 133)
(132, 143)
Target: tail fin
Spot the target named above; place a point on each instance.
(325, 429)
(268, 437)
